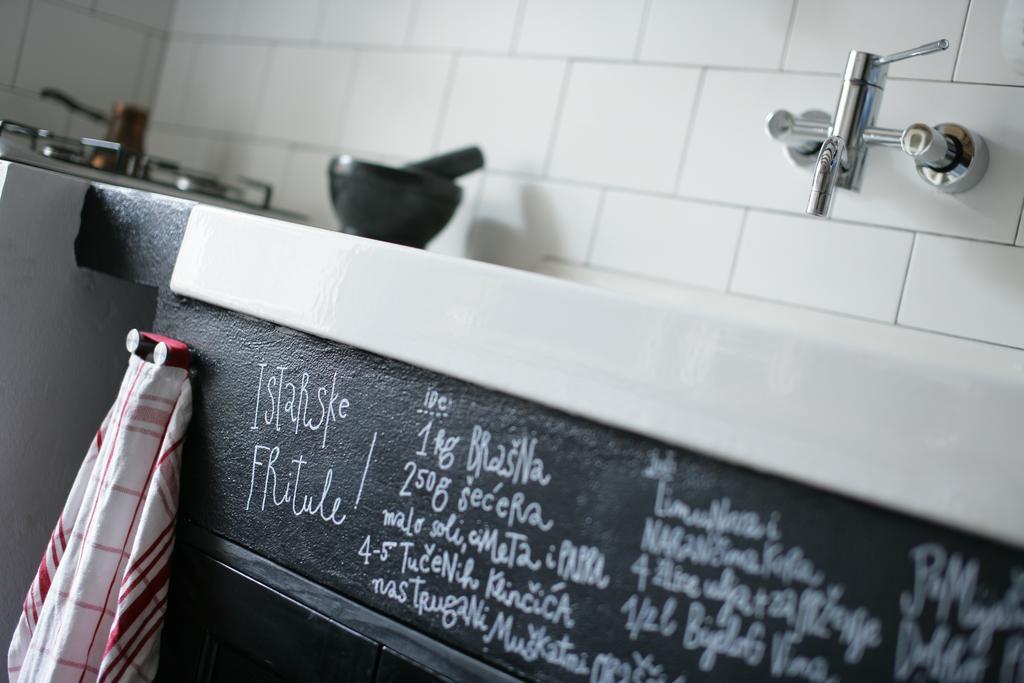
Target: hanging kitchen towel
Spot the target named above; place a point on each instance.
(96, 606)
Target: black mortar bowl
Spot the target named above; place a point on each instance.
(407, 205)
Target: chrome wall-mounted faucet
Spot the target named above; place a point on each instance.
(947, 156)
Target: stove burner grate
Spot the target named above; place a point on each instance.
(87, 152)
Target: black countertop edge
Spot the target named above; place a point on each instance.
(131, 234)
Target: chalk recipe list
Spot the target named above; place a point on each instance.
(561, 550)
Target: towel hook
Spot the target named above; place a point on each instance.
(164, 350)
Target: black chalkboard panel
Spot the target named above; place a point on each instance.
(559, 549)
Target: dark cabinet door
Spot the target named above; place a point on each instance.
(394, 668)
(223, 626)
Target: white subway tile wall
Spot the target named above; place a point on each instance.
(624, 137)
(291, 20)
(465, 24)
(623, 125)
(892, 193)
(581, 28)
(71, 50)
(305, 185)
(836, 266)
(191, 151)
(155, 14)
(825, 31)
(12, 28)
(730, 159)
(151, 67)
(216, 17)
(523, 221)
(736, 33)
(696, 242)
(366, 22)
(967, 288)
(28, 109)
(981, 60)
(395, 102)
(241, 157)
(175, 81)
(454, 239)
(507, 106)
(225, 86)
(305, 93)
(99, 51)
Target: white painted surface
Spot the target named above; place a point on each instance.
(62, 336)
(918, 422)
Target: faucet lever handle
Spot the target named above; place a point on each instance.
(811, 126)
(926, 49)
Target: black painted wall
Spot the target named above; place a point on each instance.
(621, 559)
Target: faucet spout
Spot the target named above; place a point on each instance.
(827, 169)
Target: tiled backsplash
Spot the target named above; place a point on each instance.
(624, 138)
(98, 51)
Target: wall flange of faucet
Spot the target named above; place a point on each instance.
(948, 156)
(957, 171)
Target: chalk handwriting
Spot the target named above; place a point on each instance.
(467, 537)
(516, 462)
(279, 393)
(514, 509)
(293, 491)
(958, 648)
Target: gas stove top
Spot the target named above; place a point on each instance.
(106, 162)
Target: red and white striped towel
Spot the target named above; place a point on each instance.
(96, 606)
